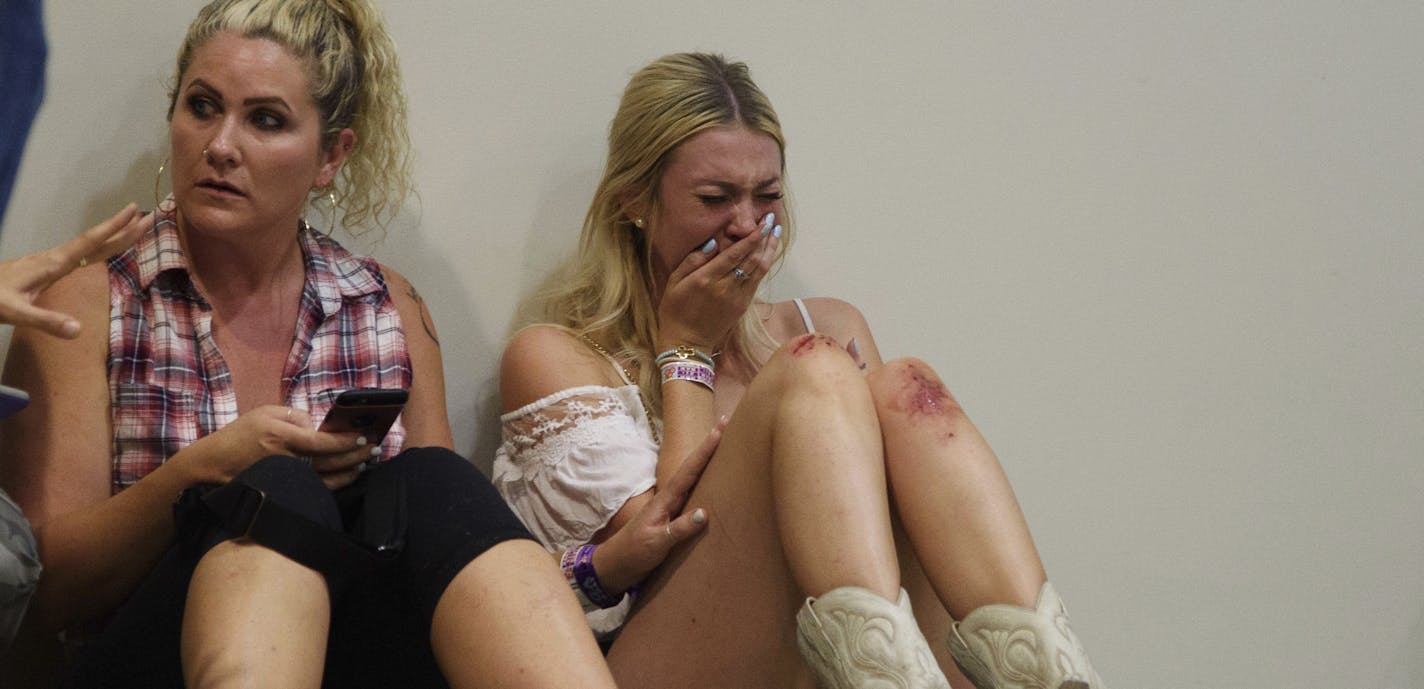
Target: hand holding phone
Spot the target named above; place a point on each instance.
(368, 411)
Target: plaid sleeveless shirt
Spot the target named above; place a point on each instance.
(168, 383)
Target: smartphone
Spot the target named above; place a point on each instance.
(12, 400)
(368, 411)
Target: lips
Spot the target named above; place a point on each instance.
(220, 186)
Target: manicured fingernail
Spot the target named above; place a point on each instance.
(375, 450)
(360, 441)
(776, 232)
(710, 246)
(853, 347)
(698, 516)
(766, 224)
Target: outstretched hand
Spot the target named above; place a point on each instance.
(23, 279)
(644, 542)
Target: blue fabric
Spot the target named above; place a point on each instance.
(22, 69)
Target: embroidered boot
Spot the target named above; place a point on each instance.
(1012, 647)
(854, 639)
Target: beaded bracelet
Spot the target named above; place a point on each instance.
(682, 353)
(577, 564)
(694, 371)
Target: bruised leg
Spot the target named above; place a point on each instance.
(951, 495)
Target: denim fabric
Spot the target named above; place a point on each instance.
(19, 569)
(22, 67)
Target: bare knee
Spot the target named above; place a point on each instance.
(909, 391)
(813, 362)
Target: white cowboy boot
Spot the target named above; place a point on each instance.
(1012, 647)
(854, 639)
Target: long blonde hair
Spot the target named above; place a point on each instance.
(606, 291)
(355, 81)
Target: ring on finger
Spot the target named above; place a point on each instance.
(668, 529)
(304, 459)
(741, 274)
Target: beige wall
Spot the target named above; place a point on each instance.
(1168, 256)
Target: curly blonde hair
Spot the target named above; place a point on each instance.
(355, 82)
(606, 291)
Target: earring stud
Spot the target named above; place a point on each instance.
(638, 223)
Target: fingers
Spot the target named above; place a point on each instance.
(24, 314)
(756, 264)
(750, 257)
(296, 417)
(687, 526)
(680, 485)
(853, 348)
(698, 258)
(101, 241)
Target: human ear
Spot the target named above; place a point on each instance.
(634, 209)
(334, 156)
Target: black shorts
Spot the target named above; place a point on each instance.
(380, 626)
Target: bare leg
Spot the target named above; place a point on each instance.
(254, 619)
(929, 611)
(957, 507)
(797, 504)
(508, 619)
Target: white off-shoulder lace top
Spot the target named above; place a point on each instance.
(569, 461)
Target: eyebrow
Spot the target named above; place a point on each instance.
(729, 185)
(265, 100)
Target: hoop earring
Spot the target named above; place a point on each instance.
(158, 181)
(331, 219)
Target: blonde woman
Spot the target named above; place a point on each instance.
(846, 492)
(207, 353)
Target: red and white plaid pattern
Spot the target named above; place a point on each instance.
(168, 383)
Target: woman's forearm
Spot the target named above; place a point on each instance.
(96, 556)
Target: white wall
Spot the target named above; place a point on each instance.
(1169, 256)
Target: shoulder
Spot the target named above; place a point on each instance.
(83, 293)
(402, 291)
(541, 360)
(830, 315)
(408, 302)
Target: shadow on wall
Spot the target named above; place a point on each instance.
(467, 353)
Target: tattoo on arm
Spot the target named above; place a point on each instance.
(424, 314)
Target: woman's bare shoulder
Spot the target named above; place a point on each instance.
(541, 360)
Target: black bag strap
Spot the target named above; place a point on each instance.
(245, 512)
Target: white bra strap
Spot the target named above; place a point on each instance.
(805, 315)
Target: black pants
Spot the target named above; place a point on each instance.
(380, 626)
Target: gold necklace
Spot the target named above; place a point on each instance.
(599, 348)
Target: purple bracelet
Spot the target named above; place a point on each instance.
(578, 567)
